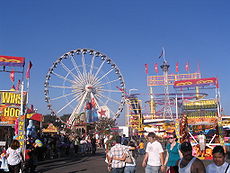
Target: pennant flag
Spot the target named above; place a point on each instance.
(18, 85)
(187, 67)
(162, 53)
(13, 88)
(156, 67)
(177, 67)
(12, 75)
(146, 69)
(28, 70)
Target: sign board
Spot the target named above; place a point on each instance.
(159, 80)
(10, 102)
(12, 61)
(200, 104)
(196, 82)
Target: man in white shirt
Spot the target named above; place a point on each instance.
(154, 157)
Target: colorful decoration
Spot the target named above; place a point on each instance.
(12, 61)
(159, 80)
(196, 82)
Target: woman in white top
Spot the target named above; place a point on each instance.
(14, 157)
(130, 167)
(219, 164)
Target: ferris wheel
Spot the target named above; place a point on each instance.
(84, 80)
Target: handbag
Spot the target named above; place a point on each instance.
(128, 159)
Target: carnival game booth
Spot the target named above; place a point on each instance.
(202, 115)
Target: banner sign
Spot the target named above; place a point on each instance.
(10, 103)
(200, 104)
(202, 113)
(159, 80)
(202, 120)
(12, 61)
(196, 82)
(21, 131)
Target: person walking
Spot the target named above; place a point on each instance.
(154, 158)
(14, 157)
(141, 147)
(219, 164)
(130, 166)
(189, 163)
(173, 154)
(117, 151)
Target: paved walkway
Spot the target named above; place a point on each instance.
(84, 164)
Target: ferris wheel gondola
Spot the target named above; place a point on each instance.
(83, 80)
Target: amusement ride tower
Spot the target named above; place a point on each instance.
(167, 111)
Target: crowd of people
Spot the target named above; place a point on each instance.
(44, 147)
(121, 156)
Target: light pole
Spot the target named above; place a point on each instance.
(132, 89)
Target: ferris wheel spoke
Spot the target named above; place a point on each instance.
(109, 82)
(83, 63)
(98, 80)
(64, 78)
(70, 72)
(109, 99)
(56, 98)
(99, 69)
(78, 107)
(114, 91)
(77, 68)
(66, 105)
(92, 64)
(55, 86)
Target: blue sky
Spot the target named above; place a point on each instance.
(131, 32)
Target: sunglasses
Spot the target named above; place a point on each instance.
(171, 138)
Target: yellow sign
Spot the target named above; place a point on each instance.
(10, 106)
(201, 104)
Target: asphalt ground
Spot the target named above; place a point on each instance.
(85, 164)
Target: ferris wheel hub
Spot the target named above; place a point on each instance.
(88, 88)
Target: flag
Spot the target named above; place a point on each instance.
(28, 70)
(187, 67)
(12, 75)
(146, 69)
(18, 85)
(13, 87)
(177, 67)
(156, 67)
(162, 53)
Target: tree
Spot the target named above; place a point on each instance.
(104, 125)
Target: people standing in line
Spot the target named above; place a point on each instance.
(154, 157)
(202, 143)
(219, 164)
(173, 154)
(117, 151)
(14, 157)
(189, 163)
(141, 147)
